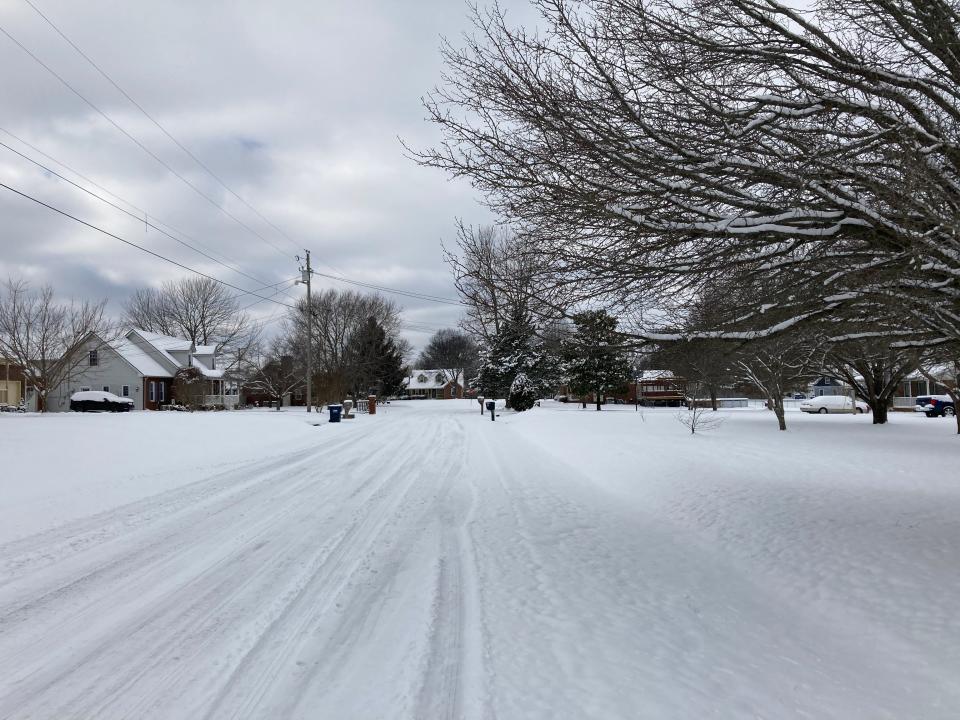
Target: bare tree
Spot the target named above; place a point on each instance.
(197, 308)
(874, 369)
(274, 373)
(697, 416)
(43, 335)
(338, 318)
(501, 276)
(452, 351)
(775, 365)
(645, 147)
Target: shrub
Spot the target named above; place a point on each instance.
(523, 393)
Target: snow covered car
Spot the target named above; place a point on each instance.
(833, 404)
(936, 406)
(99, 401)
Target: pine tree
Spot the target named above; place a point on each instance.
(376, 363)
(595, 363)
(516, 350)
(523, 393)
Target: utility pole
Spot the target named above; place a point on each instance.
(307, 278)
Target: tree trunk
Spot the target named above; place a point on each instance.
(713, 398)
(880, 410)
(598, 401)
(781, 416)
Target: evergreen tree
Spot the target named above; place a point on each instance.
(516, 350)
(523, 393)
(376, 362)
(595, 362)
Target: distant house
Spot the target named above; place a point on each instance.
(141, 365)
(13, 385)
(826, 385)
(431, 384)
(658, 388)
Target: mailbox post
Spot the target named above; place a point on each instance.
(480, 401)
(492, 407)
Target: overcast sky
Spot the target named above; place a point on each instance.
(297, 105)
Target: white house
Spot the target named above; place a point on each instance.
(141, 365)
(431, 384)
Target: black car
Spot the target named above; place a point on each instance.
(936, 406)
(98, 401)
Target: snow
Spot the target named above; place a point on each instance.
(431, 382)
(141, 361)
(427, 563)
(202, 366)
(99, 396)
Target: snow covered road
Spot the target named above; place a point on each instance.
(426, 563)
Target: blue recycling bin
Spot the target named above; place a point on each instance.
(335, 412)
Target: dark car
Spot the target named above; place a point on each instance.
(936, 406)
(99, 401)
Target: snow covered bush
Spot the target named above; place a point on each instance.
(523, 393)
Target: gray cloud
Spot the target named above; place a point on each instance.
(296, 105)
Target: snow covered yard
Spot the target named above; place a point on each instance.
(427, 563)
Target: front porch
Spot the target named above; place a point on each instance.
(221, 393)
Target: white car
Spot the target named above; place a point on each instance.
(833, 404)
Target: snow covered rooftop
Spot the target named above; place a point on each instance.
(205, 368)
(165, 342)
(150, 365)
(655, 375)
(145, 364)
(426, 379)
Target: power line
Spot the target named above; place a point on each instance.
(408, 293)
(147, 217)
(143, 213)
(106, 76)
(145, 220)
(272, 295)
(139, 144)
(162, 129)
(139, 247)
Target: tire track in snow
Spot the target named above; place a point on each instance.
(257, 674)
(453, 681)
(169, 549)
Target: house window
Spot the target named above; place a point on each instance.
(84, 389)
(126, 391)
(440, 378)
(94, 359)
(421, 378)
(106, 388)
(153, 391)
(163, 392)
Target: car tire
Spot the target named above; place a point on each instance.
(949, 412)
(859, 411)
(822, 411)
